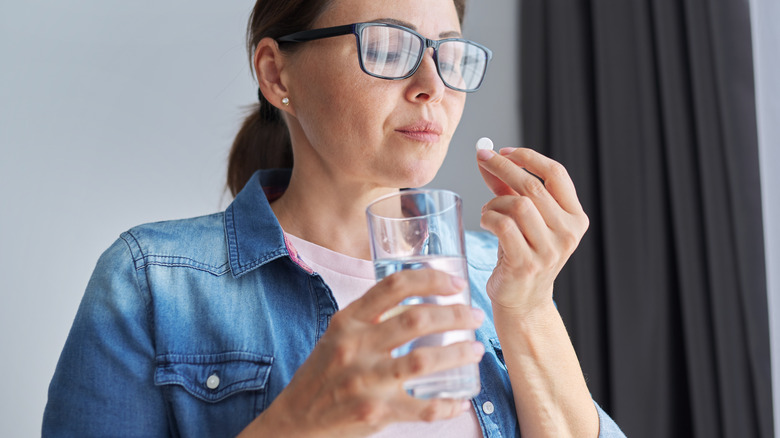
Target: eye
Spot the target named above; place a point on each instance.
(471, 60)
(446, 67)
(382, 55)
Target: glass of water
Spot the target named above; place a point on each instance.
(417, 229)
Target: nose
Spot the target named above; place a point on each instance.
(426, 85)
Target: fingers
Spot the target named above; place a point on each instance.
(418, 320)
(424, 361)
(507, 215)
(407, 408)
(401, 285)
(507, 230)
(526, 187)
(437, 409)
(509, 166)
(495, 184)
(556, 178)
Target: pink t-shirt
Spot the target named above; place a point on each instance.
(349, 278)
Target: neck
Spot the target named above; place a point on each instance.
(329, 213)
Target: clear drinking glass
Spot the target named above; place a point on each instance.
(416, 229)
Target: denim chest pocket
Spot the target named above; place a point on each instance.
(226, 389)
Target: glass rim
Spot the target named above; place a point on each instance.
(456, 197)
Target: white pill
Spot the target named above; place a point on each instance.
(485, 143)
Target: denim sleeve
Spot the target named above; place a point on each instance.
(104, 381)
(607, 426)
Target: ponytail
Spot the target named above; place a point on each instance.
(263, 142)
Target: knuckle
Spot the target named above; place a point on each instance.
(521, 205)
(462, 313)
(550, 253)
(536, 269)
(570, 242)
(523, 154)
(529, 270)
(394, 281)
(370, 412)
(535, 188)
(399, 373)
(352, 384)
(505, 225)
(413, 319)
(418, 362)
(550, 263)
(558, 170)
(434, 411)
(585, 221)
(342, 354)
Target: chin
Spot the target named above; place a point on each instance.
(416, 176)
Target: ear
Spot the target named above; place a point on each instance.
(269, 63)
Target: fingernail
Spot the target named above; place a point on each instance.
(458, 282)
(478, 314)
(465, 406)
(506, 151)
(484, 207)
(484, 154)
(479, 349)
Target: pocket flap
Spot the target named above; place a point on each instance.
(214, 377)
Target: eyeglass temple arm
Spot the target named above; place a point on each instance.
(309, 35)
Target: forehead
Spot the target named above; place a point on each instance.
(429, 17)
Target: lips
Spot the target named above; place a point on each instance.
(423, 131)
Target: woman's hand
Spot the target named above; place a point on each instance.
(538, 226)
(351, 385)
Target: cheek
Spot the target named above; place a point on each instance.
(339, 101)
(455, 110)
(356, 113)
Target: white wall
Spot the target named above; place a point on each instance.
(766, 51)
(493, 111)
(111, 114)
(118, 113)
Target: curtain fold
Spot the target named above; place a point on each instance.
(650, 105)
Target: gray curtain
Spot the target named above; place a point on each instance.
(650, 105)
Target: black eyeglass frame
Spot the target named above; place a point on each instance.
(356, 29)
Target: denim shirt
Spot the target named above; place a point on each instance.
(193, 327)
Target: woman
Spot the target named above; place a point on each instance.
(228, 323)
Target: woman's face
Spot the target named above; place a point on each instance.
(359, 128)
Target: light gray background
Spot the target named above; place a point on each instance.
(117, 113)
(766, 51)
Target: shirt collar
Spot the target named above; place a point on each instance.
(254, 236)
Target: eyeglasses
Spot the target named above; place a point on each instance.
(389, 51)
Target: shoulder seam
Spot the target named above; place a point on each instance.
(125, 236)
(142, 260)
(142, 289)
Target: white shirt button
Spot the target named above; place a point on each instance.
(488, 407)
(212, 382)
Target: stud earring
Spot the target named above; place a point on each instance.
(285, 101)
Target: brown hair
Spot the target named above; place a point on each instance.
(263, 142)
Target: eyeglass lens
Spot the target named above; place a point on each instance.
(392, 53)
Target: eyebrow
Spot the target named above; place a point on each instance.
(449, 34)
